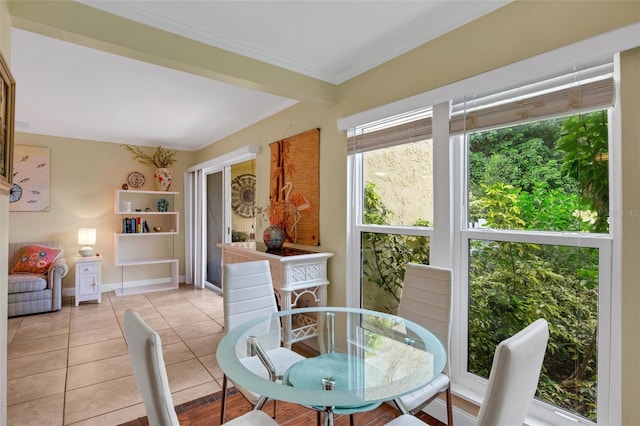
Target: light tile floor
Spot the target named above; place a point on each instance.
(71, 367)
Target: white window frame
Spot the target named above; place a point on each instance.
(609, 380)
(451, 231)
(355, 194)
(471, 386)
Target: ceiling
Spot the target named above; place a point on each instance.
(69, 90)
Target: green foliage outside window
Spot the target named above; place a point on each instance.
(384, 256)
(585, 144)
(513, 284)
(547, 176)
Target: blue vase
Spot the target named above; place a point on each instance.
(274, 237)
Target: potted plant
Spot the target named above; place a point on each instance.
(161, 159)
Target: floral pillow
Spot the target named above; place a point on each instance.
(36, 260)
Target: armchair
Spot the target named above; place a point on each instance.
(31, 293)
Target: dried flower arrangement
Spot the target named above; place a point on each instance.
(286, 213)
(161, 158)
(279, 212)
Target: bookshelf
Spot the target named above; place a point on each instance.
(137, 245)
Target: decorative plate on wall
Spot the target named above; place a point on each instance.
(243, 195)
(135, 179)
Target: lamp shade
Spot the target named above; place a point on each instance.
(86, 238)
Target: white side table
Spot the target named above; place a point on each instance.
(88, 278)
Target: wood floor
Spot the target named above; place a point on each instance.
(206, 411)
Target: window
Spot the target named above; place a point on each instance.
(544, 183)
(397, 196)
(548, 175)
(513, 283)
(398, 187)
(528, 228)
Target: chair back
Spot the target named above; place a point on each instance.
(247, 292)
(514, 376)
(145, 351)
(426, 299)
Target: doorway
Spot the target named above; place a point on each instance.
(241, 222)
(219, 208)
(215, 230)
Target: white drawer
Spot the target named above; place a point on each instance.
(87, 269)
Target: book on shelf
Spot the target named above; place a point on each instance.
(134, 225)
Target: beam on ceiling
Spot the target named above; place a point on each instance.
(90, 27)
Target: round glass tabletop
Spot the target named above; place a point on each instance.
(365, 357)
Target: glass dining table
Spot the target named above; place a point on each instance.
(360, 359)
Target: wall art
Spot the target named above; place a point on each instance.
(295, 185)
(31, 189)
(243, 193)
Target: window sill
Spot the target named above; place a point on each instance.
(471, 401)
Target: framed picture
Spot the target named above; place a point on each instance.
(7, 121)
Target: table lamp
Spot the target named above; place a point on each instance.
(86, 238)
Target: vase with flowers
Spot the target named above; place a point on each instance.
(161, 159)
(282, 216)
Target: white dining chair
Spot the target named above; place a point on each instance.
(513, 379)
(426, 300)
(145, 351)
(248, 293)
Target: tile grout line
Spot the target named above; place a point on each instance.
(207, 308)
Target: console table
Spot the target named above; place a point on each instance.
(295, 272)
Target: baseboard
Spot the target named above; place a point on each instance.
(438, 410)
(105, 288)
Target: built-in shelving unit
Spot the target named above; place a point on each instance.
(137, 245)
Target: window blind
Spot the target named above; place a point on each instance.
(593, 95)
(389, 136)
(587, 88)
